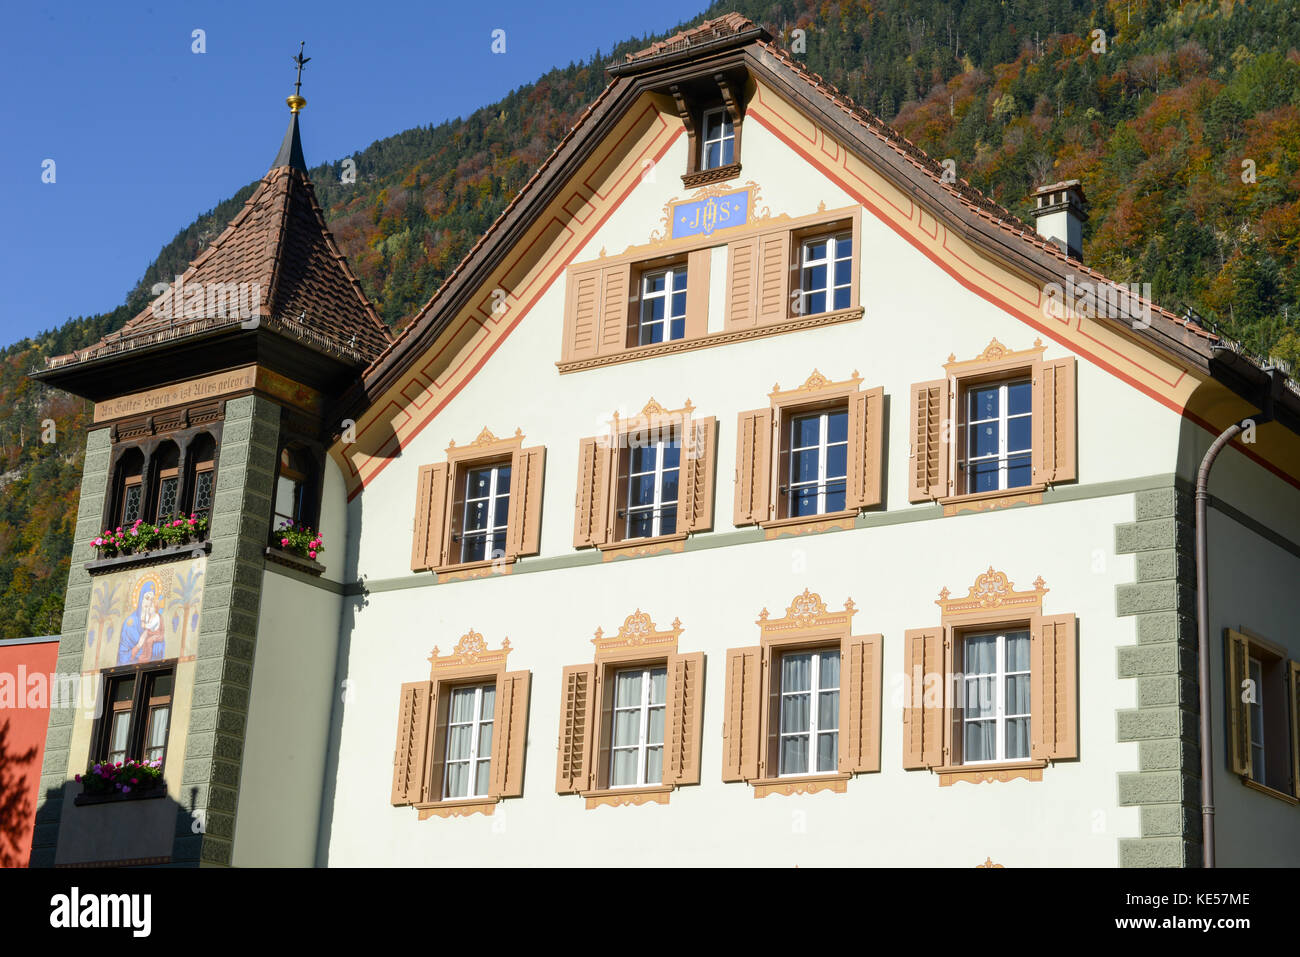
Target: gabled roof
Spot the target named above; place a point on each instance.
(279, 245)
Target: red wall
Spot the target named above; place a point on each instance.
(22, 745)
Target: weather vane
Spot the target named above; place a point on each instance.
(302, 62)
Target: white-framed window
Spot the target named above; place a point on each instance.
(1256, 712)
(663, 306)
(810, 712)
(652, 481)
(718, 147)
(826, 273)
(819, 463)
(637, 742)
(469, 741)
(996, 711)
(487, 511)
(998, 443)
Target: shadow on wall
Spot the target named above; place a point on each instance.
(16, 812)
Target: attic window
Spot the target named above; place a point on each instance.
(712, 112)
(719, 146)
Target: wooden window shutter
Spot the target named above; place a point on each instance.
(699, 460)
(773, 304)
(577, 700)
(510, 734)
(430, 514)
(581, 314)
(684, 725)
(1053, 704)
(1293, 691)
(742, 259)
(928, 466)
(866, 447)
(591, 523)
(923, 716)
(1054, 418)
(524, 534)
(860, 703)
(439, 710)
(740, 731)
(753, 466)
(615, 293)
(697, 292)
(1238, 652)
(410, 759)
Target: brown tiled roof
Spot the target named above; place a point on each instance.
(727, 25)
(279, 241)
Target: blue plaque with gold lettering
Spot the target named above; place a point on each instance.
(700, 217)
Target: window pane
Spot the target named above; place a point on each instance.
(842, 298)
(654, 765)
(123, 689)
(1017, 738)
(712, 156)
(983, 403)
(669, 490)
(677, 329)
(167, 498)
(485, 740)
(835, 497)
(981, 654)
(656, 282)
(156, 739)
(829, 672)
(457, 780)
(643, 458)
(640, 525)
(1018, 434)
(118, 734)
(843, 272)
(796, 673)
(627, 728)
(627, 689)
(484, 777)
(1017, 692)
(728, 151)
(815, 277)
(981, 700)
(805, 502)
(458, 741)
(837, 461)
(286, 492)
(984, 440)
(1019, 398)
(713, 124)
(1019, 471)
(815, 303)
(203, 491)
(672, 455)
(794, 712)
(475, 549)
(794, 755)
(1018, 651)
(131, 507)
(658, 685)
(979, 744)
(806, 430)
(983, 476)
(476, 514)
(815, 250)
(828, 752)
(679, 304)
(622, 769)
(828, 710)
(668, 522)
(654, 733)
(503, 479)
(844, 246)
(837, 427)
(806, 465)
(641, 490)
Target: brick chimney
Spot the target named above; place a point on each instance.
(1060, 211)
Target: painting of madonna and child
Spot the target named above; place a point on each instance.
(145, 614)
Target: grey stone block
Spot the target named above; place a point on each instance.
(1145, 723)
(1153, 596)
(1157, 787)
(1153, 852)
(1162, 659)
(1155, 627)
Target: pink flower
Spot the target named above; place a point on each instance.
(134, 781)
(311, 554)
(78, 778)
(284, 541)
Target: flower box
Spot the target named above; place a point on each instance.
(141, 537)
(120, 781)
(156, 556)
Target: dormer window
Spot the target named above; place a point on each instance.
(719, 146)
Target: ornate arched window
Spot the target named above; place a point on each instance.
(128, 493)
(201, 464)
(165, 497)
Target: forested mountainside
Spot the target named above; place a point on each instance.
(1164, 123)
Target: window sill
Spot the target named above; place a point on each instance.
(704, 177)
(836, 783)
(461, 807)
(1271, 792)
(712, 339)
(83, 799)
(805, 524)
(464, 571)
(989, 501)
(281, 557)
(990, 773)
(155, 556)
(634, 797)
(637, 547)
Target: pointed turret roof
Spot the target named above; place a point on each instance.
(278, 261)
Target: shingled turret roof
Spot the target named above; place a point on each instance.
(294, 278)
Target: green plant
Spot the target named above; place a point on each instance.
(143, 536)
(122, 776)
(299, 539)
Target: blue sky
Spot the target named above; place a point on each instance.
(146, 134)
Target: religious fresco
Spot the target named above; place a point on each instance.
(147, 614)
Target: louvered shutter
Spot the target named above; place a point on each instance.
(1238, 670)
(577, 699)
(923, 711)
(860, 704)
(430, 508)
(740, 731)
(1054, 422)
(866, 446)
(695, 486)
(928, 461)
(614, 308)
(510, 734)
(1054, 708)
(439, 710)
(410, 758)
(582, 314)
(753, 466)
(590, 519)
(527, 468)
(773, 277)
(742, 280)
(684, 719)
(697, 293)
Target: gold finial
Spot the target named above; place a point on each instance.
(296, 101)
